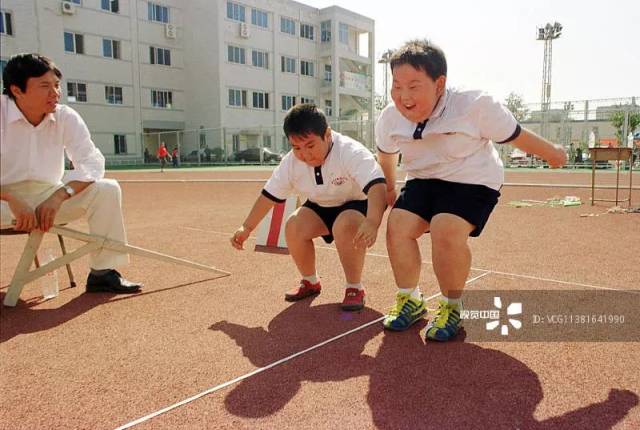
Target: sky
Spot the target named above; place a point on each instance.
(491, 44)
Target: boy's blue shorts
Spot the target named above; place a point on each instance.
(429, 197)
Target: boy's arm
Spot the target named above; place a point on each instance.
(376, 205)
(531, 143)
(388, 162)
(260, 208)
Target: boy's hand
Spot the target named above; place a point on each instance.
(366, 235)
(558, 157)
(239, 237)
(391, 197)
(24, 215)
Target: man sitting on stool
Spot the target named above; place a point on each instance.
(35, 133)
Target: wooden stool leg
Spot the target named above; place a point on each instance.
(72, 281)
(28, 255)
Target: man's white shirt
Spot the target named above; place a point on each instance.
(29, 153)
(456, 140)
(346, 174)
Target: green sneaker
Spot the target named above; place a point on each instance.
(445, 324)
(404, 313)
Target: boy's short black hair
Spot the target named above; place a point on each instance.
(421, 54)
(304, 119)
(21, 67)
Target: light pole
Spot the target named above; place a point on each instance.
(547, 33)
(384, 59)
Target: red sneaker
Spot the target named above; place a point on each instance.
(305, 289)
(353, 299)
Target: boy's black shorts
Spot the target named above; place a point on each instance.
(429, 197)
(328, 215)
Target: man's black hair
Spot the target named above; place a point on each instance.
(21, 67)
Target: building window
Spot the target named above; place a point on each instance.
(6, 26)
(260, 59)
(76, 92)
(287, 26)
(307, 100)
(288, 102)
(260, 100)
(120, 143)
(306, 31)
(327, 72)
(306, 68)
(111, 48)
(73, 42)
(76, 1)
(344, 34)
(259, 18)
(159, 56)
(288, 64)
(163, 99)
(113, 95)
(266, 141)
(328, 108)
(110, 5)
(237, 97)
(325, 31)
(158, 13)
(235, 11)
(236, 55)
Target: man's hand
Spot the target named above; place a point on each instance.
(47, 210)
(557, 157)
(239, 237)
(24, 215)
(366, 235)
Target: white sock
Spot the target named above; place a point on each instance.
(414, 292)
(311, 278)
(357, 286)
(457, 302)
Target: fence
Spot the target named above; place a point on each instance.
(572, 124)
(240, 145)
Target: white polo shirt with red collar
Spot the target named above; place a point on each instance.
(347, 174)
(455, 142)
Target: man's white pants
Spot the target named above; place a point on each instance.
(100, 203)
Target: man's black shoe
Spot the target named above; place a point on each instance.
(111, 282)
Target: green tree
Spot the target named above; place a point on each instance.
(515, 104)
(617, 120)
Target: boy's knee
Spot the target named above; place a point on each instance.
(447, 237)
(293, 226)
(347, 224)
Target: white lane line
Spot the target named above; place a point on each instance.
(270, 366)
(497, 272)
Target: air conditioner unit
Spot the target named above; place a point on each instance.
(170, 31)
(68, 8)
(244, 30)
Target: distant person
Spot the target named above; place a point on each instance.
(162, 154)
(36, 132)
(454, 175)
(336, 174)
(174, 157)
(147, 156)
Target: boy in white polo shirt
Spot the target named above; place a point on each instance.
(454, 175)
(336, 174)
